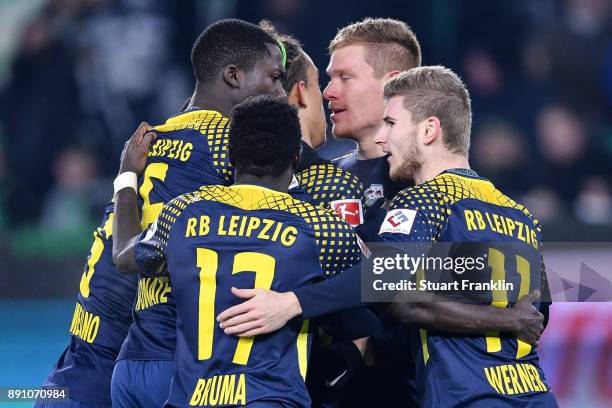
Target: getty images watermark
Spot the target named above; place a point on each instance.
(471, 272)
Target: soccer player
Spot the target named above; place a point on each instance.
(427, 136)
(251, 234)
(323, 182)
(232, 60)
(327, 185)
(187, 154)
(364, 55)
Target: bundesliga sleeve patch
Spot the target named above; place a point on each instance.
(350, 210)
(398, 221)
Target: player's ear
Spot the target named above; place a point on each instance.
(432, 130)
(297, 95)
(232, 75)
(391, 74)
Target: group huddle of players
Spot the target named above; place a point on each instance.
(228, 201)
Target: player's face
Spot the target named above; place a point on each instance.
(355, 95)
(398, 137)
(315, 113)
(265, 76)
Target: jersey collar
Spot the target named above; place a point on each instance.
(464, 173)
(256, 186)
(181, 116)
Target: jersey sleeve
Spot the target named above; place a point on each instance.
(336, 242)
(416, 214)
(150, 249)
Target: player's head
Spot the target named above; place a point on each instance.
(264, 138)
(428, 116)
(363, 56)
(301, 82)
(239, 56)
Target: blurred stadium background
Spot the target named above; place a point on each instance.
(77, 76)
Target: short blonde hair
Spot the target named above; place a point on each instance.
(436, 91)
(390, 44)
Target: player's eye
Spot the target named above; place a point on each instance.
(276, 78)
(344, 77)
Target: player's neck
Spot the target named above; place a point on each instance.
(274, 183)
(432, 167)
(305, 132)
(211, 100)
(367, 149)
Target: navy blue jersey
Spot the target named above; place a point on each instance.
(330, 186)
(241, 236)
(477, 371)
(374, 175)
(190, 151)
(99, 325)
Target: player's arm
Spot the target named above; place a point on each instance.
(267, 311)
(343, 292)
(415, 224)
(523, 320)
(126, 222)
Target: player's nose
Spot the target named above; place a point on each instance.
(329, 92)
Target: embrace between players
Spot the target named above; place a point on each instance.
(228, 201)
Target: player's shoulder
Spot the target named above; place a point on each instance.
(425, 196)
(505, 201)
(178, 205)
(335, 240)
(319, 218)
(197, 119)
(204, 127)
(329, 174)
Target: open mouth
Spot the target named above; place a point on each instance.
(335, 113)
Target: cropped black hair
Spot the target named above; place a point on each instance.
(264, 136)
(229, 41)
(296, 66)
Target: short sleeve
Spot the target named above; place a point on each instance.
(416, 214)
(336, 242)
(150, 249)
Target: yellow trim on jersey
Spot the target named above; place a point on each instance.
(190, 116)
(108, 225)
(487, 192)
(302, 348)
(256, 187)
(420, 276)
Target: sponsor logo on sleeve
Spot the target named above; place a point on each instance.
(350, 210)
(398, 221)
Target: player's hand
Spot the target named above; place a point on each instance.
(265, 311)
(530, 322)
(136, 150)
